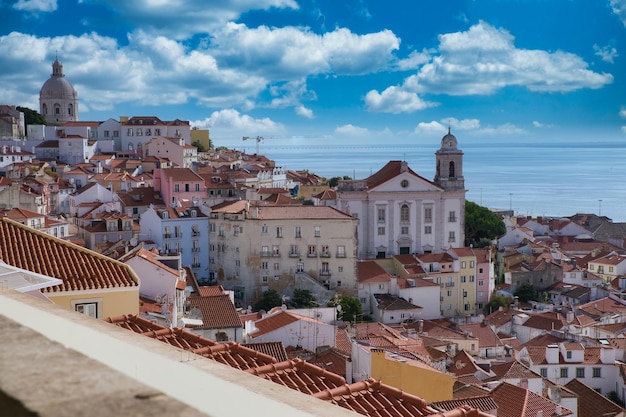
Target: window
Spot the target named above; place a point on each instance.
(340, 269)
(580, 372)
(275, 250)
(298, 231)
(157, 132)
(265, 251)
(279, 231)
(563, 372)
(480, 282)
(463, 264)
(449, 307)
(264, 228)
(451, 237)
(148, 132)
(452, 217)
(463, 278)
(428, 215)
(177, 188)
(88, 309)
(130, 131)
(325, 251)
(449, 293)
(264, 265)
(597, 372)
(116, 133)
(276, 266)
(311, 251)
(481, 294)
(325, 268)
(381, 215)
(471, 264)
(341, 251)
(317, 231)
(543, 372)
(293, 251)
(404, 213)
(610, 269)
(264, 278)
(404, 183)
(569, 354)
(106, 133)
(138, 131)
(428, 230)
(212, 227)
(404, 230)
(466, 307)
(471, 277)
(198, 187)
(381, 231)
(480, 270)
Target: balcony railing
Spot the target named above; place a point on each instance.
(449, 284)
(311, 255)
(195, 233)
(294, 254)
(325, 273)
(195, 249)
(276, 254)
(265, 254)
(325, 255)
(167, 235)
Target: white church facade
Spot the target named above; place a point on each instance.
(401, 212)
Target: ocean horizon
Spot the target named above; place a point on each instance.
(555, 178)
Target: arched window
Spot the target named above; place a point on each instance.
(45, 109)
(404, 213)
(130, 147)
(451, 171)
(69, 109)
(57, 109)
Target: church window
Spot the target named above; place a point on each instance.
(69, 110)
(45, 109)
(381, 214)
(452, 170)
(428, 215)
(404, 183)
(404, 213)
(57, 109)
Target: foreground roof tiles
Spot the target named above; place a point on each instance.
(369, 397)
(79, 268)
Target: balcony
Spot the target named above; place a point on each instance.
(311, 255)
(265, 254)
(196, 265)
(276, 254)
(167, 235)
(294, 254)
(325, 255)
(195, 233)
(449, 284)
(325, 273)
(197, 249)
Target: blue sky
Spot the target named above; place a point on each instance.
(508, 69)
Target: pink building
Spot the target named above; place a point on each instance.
(179, 185)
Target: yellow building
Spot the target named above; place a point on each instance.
(411, 376)
(202, 136)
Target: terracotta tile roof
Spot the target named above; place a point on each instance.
(391, 170)
(485, 334)
(342, 341)
(370, 397)
(276, 321)
(79, 268)
(483, 402)
(180, 174)
(603, 306)
(512, 370)
(238, 206)
(514, 401)
(415, 282)
(500, 317)
(461, 391)
(326, 195)
(218, 311)
(299, 375)
(543, 340)
(370, 271)
(592, 403)
(332, 360)
(464, 364)
(546, 321)
(392, 302)
(211, 291)
(273, 349)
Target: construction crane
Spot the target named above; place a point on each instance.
(258, 139)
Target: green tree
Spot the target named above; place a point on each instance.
(495, 302)
(303, 299)
(481, 225)
(270, 299)
(526, 292)
(199, 145)
(32, 117)
(351, 308)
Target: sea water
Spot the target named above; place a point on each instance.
(531, 177)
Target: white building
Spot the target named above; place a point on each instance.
(401, 212)
(58, 100)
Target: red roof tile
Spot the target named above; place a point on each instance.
(79, 268)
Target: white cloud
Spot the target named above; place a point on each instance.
(484, 59)
(36, 5)
(230, 120)
(291, 53)
(414, 60)
(469, 125)
(351, 130)
(619, 8)
(304, 112)
(624, 129)
(395, 100)
(192, 16)
(622, 112)
(607, 53)
(429, 128)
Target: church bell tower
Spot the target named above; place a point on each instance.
(449, 158)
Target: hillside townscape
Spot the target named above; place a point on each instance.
(365, 294)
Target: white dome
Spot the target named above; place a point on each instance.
(57, 85)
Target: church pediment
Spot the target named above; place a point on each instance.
(406, 182)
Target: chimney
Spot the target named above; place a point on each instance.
(552, 354)
(607, 355)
